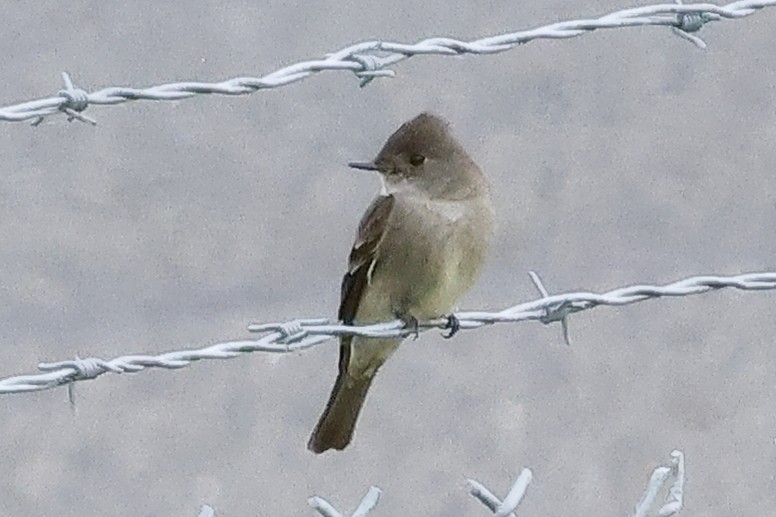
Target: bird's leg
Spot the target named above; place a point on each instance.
(410, 322)
(453, 324)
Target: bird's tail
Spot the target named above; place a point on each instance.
(335, 428)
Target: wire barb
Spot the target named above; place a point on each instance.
(508, 506)
(691, 22)
(75, 101)
(372, 67)
(366, 505)
(675, 498)
(556, 312)
(372, 59)
(656, 485)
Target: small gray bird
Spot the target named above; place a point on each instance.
(419, 248)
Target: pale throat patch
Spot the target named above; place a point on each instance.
(450, 210)
(394, 187)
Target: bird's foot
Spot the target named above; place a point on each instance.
(453, 324)
(411, 323)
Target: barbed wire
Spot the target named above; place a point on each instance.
(301, 334)
(373, 59)
(367, 504)
(649, 505)
(499, 508)
(674, 498)
(508, 506)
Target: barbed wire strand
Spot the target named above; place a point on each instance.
(674, 498)
(372, 59)
(301, 334)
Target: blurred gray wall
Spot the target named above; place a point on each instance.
(625, 156)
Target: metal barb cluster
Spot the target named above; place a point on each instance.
(372, 59)
(674, 498)
(306, 333)
(647, 506)
(367, 504)
(508, 506)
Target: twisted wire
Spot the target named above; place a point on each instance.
(371, 59)
(305, 333)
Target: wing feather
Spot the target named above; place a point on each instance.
(363, 258)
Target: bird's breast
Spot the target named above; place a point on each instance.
(433, 255)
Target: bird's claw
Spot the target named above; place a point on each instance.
(453, 324)
(411, 323)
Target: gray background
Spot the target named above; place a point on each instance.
(620, 157)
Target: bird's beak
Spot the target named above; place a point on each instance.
(364, 166)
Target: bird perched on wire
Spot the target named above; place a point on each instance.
(419, 248)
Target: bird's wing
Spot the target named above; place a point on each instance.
(362, 260)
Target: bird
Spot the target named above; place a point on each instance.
(419, 247)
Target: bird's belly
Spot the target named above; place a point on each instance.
(438, 299)
(443, 286)
(426, 280)
(428, 266)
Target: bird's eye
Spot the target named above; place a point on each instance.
(417, 159)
